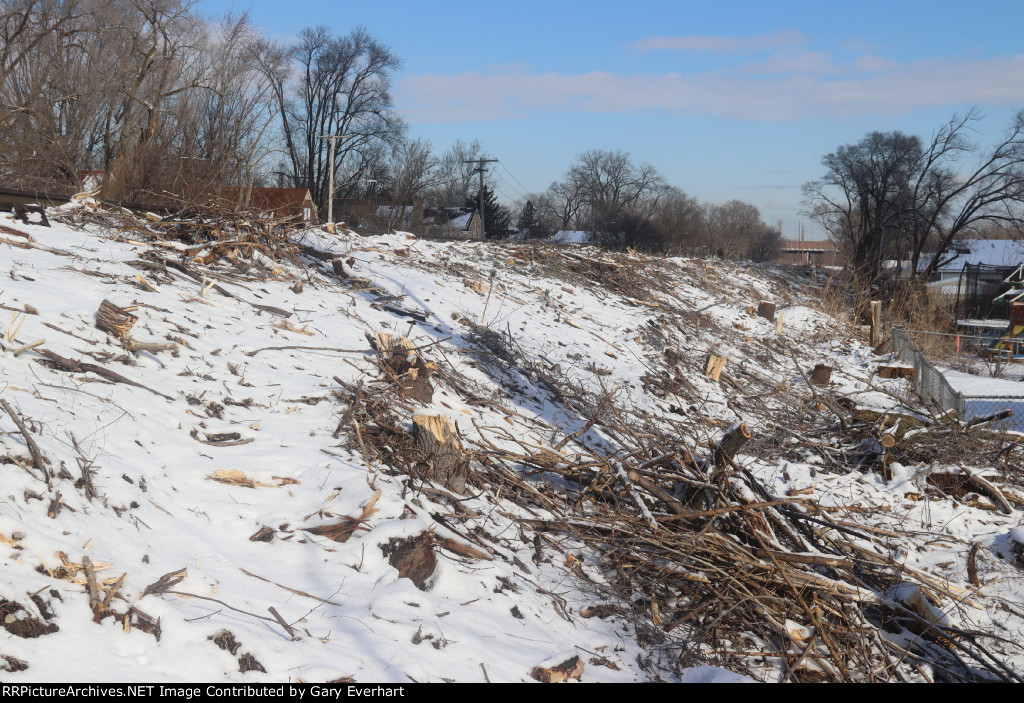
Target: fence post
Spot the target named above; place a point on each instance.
(876, 322)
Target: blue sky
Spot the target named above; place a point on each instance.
(727, 100)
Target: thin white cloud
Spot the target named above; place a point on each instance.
(723, 45)
(796, 60)
(995, 81)
(872, 87)
(869, 63)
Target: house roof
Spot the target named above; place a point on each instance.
(462, 220)
(994, 252)
(276, 201)
(571, 236)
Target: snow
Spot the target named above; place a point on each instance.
(157, 509)
(992, 252)
(971, 384)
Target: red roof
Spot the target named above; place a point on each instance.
(279, 202)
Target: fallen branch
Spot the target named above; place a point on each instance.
(33, 448)
(72, 366)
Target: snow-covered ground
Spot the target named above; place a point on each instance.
(237, 435)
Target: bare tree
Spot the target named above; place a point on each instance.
(564, 205)
(412, 170)
(865, 195)
(679, 220)
(606, 191)
(35, 38)
(455, 178)
(729, 228)
(889, 195)
(343, 88)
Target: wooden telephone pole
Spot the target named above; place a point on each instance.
(480, 169)
(330, 187)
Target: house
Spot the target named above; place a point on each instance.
(570, 236)
(451, 222)
(92, 180)
(454, 222)
(999, 253)
(977, 275)
(277, 203)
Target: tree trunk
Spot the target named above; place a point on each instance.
(406, 366)
(732, 441)
(894, 371)
(876, 322)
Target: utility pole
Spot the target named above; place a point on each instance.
(480, 169)
(330, 188)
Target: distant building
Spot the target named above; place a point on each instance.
(457, 222)
(91, 180)
(278, 203)
(452, 222)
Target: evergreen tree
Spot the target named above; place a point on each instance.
(497, 218)
(528, 220)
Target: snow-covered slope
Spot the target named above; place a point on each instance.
(246, 503)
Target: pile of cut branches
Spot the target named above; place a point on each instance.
(207, 233)
(717, 568)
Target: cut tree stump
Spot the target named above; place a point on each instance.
(118, 322)
(876, 323)
(409, 369)
(732, 441)
(821, 375)
(766, 310)
(890, 437)
(443, 460)
(893, 371)
(713, 369)
(115, 321)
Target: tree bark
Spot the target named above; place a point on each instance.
(732, 441)
(406, 366)
(893, 371)
(821, 375)
(876, 322)
(115, 321)
(443, 460)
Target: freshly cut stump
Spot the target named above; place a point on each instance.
(443, 460)
(409, 369)
(766, 310)
(821, 375)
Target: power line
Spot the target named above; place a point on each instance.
(525, 191)
(500, 190)
(511, 187)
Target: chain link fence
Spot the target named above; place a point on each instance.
(933, 386)
(929, 382)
